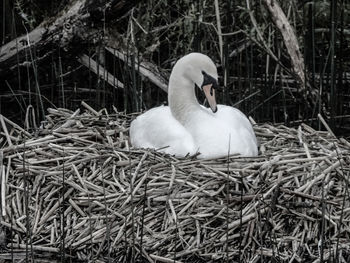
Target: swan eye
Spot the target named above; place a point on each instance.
(208, 79)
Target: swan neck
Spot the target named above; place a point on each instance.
(182, 98)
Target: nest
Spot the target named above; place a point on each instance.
(73, 188)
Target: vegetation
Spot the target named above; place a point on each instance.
(74, 189)
(254, 65)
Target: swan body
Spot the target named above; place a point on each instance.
(185, 127)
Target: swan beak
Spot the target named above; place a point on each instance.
(209, 92)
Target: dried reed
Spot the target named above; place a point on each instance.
(74, 186)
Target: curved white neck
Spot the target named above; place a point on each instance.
(181, 96)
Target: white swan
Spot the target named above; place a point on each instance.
(186, 127)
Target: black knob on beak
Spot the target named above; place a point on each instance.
(207, 80)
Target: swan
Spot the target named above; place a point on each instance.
(186, 127)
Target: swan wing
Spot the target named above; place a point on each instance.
(227, 130)
(158, 129)
(238, 119)
(240, 127)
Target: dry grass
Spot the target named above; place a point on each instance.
(73, 188)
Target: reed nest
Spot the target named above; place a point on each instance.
(74, 189)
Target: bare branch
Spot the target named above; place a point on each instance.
(100, 71)
(79, 21)
(147, 69)
(289, 38)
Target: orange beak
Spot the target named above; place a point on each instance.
(209, 92)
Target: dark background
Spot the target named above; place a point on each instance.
(163, 31)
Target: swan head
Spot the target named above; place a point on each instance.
(201, 71)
